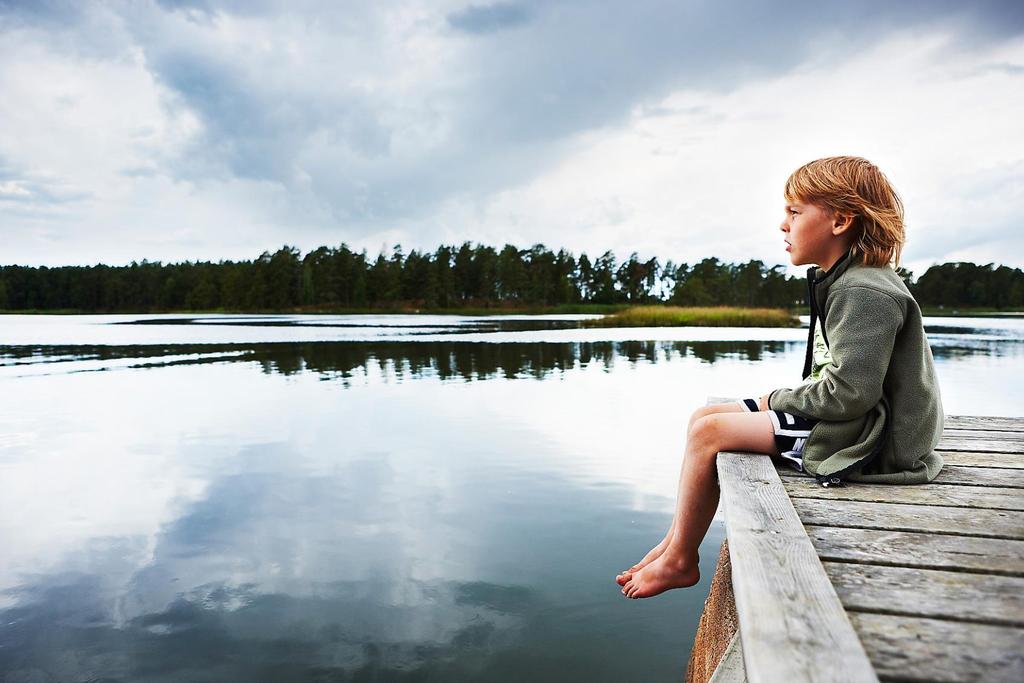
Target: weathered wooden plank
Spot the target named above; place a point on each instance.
(730, 669)
(980, 476)
(926, 551)
(990, 434)
(952, 474)
(970, 443)
(792, 625)
(979, 598)
(985, 422)
(920, 494)
(978, 459)
(921, 518)
(920, 649)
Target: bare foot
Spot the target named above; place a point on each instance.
(663, 574)
(651, 556)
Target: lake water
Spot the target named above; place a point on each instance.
(354, 498)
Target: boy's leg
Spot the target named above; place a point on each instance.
(698, 496)
(657, 550)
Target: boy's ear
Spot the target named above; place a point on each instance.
(841, 223)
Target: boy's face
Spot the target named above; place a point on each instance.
(807, 230)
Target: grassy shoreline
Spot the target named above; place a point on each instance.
(617, 315)
(711, 316)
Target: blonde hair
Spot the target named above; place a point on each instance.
(854, 186)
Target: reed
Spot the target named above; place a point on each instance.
(712, 316)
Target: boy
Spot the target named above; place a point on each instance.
(868, 408)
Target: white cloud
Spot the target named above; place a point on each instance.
(701, 173)
(186, 135)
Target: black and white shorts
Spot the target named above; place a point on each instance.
(791, 431)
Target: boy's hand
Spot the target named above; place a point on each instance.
(763, 402)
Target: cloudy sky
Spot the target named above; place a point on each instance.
(211, 130)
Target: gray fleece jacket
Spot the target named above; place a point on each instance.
(878, 403)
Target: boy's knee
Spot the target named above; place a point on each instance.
(706, 429)
(699, 413)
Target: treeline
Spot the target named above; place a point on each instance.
(969, 285)
(452, 277)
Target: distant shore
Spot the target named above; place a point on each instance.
(564, 309)
(616, 315)
(712, 316)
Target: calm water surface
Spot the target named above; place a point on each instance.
(392, 498)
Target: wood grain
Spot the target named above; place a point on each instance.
(950, 474)
(792, 624)
(985, 423)
(978, 598)
(730, 669)
(993, 434)
(926, 551)
(920, 518)
(922, 649)
(921, 494)
(980, 476)
(971, 443)
(979, 459)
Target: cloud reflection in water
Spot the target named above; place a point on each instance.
(386, 510)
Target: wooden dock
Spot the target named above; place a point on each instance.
(872, 582)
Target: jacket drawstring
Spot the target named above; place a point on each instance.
(810, 329)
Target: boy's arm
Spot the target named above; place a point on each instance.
(861, 329)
